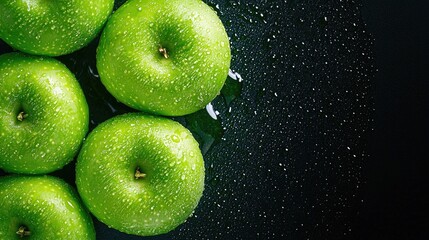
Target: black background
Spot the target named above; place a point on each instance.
(397, 187)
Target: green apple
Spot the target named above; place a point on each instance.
(52, 28)
(42, 207)
(43, 114)
(166, 57)
(140, 174)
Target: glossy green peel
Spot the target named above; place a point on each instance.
(43, 114)
(140, 174)
(52, 28)
(41, 208)
(166, 57)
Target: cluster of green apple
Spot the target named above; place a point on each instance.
(140, 173)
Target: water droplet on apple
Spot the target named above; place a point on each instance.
(175, 138)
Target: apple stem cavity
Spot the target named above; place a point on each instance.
(139, 174)
(23, 232)
(163, 51)
(21, 116)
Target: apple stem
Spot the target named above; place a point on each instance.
(139, 174)
(22, 232)
(21, 116)
(163, 51)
